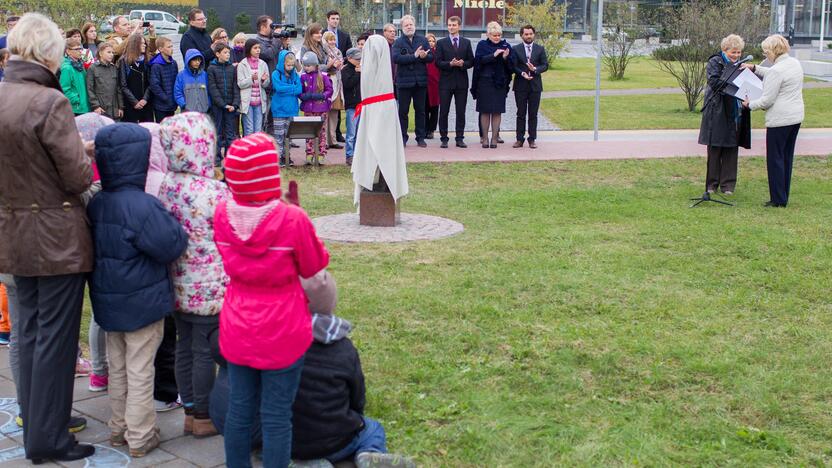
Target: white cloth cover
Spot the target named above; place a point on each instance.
(378, 144)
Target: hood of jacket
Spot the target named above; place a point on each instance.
(222, 64)
(328, 329)
(190, 143)
(191, 54)
(122, 154)
(159, 60)
(281, 65)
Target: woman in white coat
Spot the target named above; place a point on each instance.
(254, 81)
(782, 100)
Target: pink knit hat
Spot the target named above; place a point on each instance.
(252, 170)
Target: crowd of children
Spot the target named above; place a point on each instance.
(235, 89)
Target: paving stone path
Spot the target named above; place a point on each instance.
(413, 227)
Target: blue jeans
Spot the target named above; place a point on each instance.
(253, 120)
(370, 439)
(247, 386)
(352, 131)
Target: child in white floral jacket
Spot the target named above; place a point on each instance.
(191, 193)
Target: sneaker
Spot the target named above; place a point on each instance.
(117, 439)
(203, 427)
(4, 338)
(383, 460)
(148, 447)
(77, 424)
(98, 383)
(83, 367)
(162, 407)
(349, 161)
(18, 420)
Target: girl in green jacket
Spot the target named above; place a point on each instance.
(74, 77)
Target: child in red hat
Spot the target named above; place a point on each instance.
(267, 245)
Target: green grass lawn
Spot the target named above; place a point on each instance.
(587, 317)
(576, 74)
(664, 111)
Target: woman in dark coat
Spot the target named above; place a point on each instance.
(134, 80)
(726, 125)
(46, 238)
(490, 83)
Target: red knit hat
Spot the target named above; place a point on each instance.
(252, 170)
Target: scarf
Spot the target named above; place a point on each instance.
(736, 109)
(501, 77)
(78, 65)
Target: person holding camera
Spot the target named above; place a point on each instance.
(196, 37)
(123, 28)
(270, 47)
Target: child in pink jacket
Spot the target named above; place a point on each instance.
(265, 327)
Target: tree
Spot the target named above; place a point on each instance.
(698, 27)
(69, 13)
(547, 17)
(242, 23)
(214, 21)
(356, 15)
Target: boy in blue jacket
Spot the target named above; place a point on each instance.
(287, 87)
(136, 239)
(163, 72)
(191, 88)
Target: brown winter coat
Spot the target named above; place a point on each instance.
(44, 229)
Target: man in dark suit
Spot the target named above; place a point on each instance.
(530, 63)
(412, 53)
(454, 57)
(344, 43)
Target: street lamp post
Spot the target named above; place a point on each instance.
(599, 40)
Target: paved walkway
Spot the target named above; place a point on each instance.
(649, 91)
(578, 145)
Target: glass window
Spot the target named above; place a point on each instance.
(153, 17)
(170, 18)
(136, 15)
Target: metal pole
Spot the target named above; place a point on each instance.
(822, 24)
(599, 41)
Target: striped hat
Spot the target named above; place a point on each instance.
(252, 170)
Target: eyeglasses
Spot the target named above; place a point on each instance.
(76, 48)
(223, 37)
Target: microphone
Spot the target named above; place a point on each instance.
(747, 58)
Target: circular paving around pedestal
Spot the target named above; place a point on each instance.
(413, 227)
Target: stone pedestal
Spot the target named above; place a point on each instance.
(378, 209)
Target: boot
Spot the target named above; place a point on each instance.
(189, 420)
(203, 427)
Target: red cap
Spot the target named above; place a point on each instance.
(252, 170)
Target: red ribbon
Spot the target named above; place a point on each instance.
(372, 100)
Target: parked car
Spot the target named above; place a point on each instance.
(106, 26)
(164, 22)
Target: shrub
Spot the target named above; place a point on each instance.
(547, 16)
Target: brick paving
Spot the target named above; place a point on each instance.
(413, 227)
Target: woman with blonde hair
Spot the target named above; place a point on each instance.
(48, 154)
(489, 86)
(219, 35)
(782, 100)
(334, 57)
(726, 125)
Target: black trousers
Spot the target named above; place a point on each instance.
(49, 325)
(527, 102)
(780, 143)
(722, 168)
(227, 126)
(164, 385)
(338, 135)
(460, 97)
(418, 95)
(161, 115)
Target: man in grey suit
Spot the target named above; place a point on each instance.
(530, 63)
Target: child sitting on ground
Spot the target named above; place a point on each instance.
(287, 88)
(136, 239)
(190, 192)
(315, 99)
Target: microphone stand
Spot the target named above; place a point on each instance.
(706, 197)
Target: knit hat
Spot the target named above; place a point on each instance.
(252, 170)
(310, 59)
(354, 53)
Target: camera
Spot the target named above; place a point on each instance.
(286, 30)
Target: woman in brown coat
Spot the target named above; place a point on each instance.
(46, 242)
